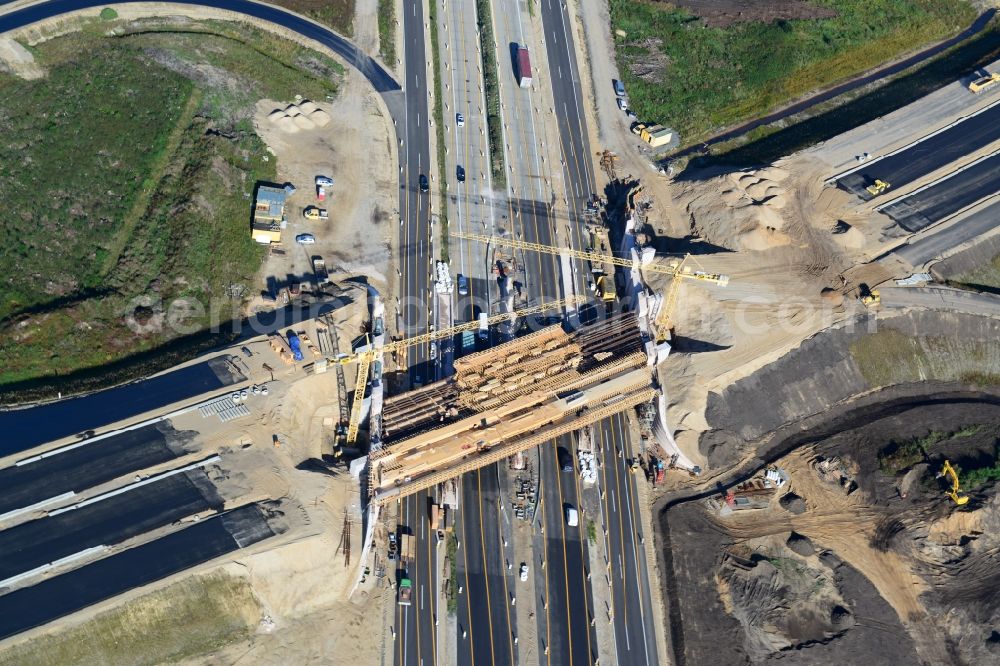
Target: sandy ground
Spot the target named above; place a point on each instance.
(18, 60)
(356, 239)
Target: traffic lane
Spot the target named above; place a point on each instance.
(930, 154)
(370, 68)
(27, 428)
(467, 150)
(475, 624)
(580, 598)
(498, 575)
(423, 566)
(567, 95)
(61, 595)
(105, 523)
(947, 197)
(559, 627)
(415, 161)
(637, 622)
(614, 538)
(91, 464)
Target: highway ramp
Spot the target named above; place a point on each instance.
(946, 197)
(61, 595)
(75, 468)
(927, 155)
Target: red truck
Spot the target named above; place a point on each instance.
(523, 67)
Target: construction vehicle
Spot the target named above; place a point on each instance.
(319, 269)
(955, 493)
(366, 356)
(869, 297)
(523, 65)
(878, 187)
(314, 213)
(405, 592)
(406, 547)
(984, 82)
(605, 287)
(295, 345)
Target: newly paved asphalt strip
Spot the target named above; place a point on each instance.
(108, 522)
(924, 250)
(24, 429)
(920, 159)
(87, 465)
(947, 197)
(55, 597)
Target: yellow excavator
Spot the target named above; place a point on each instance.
(955, 493)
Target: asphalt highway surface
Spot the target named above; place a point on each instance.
(85, 466)
(415, 160)
(924, 250)
(634, 624)
(933, 152)
(485, 616)
(55, 597)
(30, 427)
(107, 522)
(416, 624)
(565, 606)
(946, 197)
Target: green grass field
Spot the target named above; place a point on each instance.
(987, 275)
(701, 79)
(128, 182)
(192, 617)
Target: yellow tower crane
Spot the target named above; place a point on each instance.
(365, 357)
(675, 269)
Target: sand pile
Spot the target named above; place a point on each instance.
(304, 115)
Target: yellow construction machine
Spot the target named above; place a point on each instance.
(869, 297)
(985, 82)
(878, 187)
(955, 493)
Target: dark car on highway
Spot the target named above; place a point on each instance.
(565, 459)
(460, 172)
(424, 185)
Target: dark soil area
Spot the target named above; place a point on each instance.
(711, 636)
(722, 13)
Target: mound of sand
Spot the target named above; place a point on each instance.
(304, 122)
(320, 117)
(276, 116)
(293, 110)
(306, 106)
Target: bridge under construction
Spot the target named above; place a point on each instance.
(508, 399)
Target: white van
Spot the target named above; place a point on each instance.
(571, 517)
(484, 326)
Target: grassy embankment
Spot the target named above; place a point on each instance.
(337, 14)
(439, 127)
(187, 619)
(985, 276)
(387, 31)
(703, 79)
(491, 89)
(155, 206)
